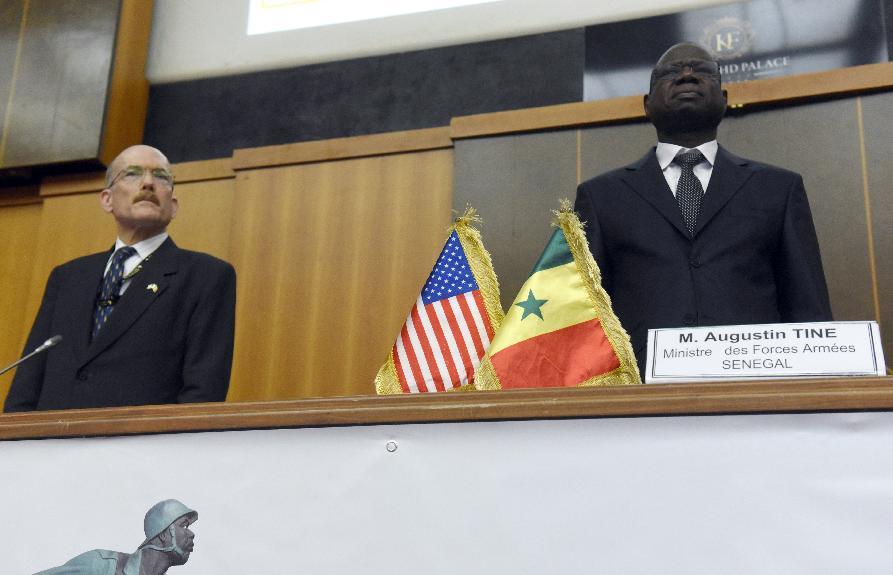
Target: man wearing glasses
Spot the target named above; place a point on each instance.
(693, 235)
(146, 323)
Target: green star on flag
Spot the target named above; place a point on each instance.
(579, 342)
(532, 306)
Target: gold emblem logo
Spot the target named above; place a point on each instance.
(728, 38)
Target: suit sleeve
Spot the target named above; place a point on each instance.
(209, 348)
(24, 392)
(588, 216)
(803, 294)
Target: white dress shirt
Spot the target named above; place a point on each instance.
(666, 152)
(143, 250)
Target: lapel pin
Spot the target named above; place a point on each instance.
(153, 287)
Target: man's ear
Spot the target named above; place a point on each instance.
(645, 107)
(105, 200)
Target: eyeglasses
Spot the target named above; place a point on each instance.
(701, 68)
(134, 174)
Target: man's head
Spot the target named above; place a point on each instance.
(686, 101)
(167, 530)
(139, 193)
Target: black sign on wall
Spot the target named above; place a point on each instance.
(751, 40)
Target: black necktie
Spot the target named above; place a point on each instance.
(689, 190)
(110, 288)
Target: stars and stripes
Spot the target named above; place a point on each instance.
(447, 331)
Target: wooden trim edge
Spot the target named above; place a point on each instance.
(829, 83)
(548, 118)
(203, 170)
(20, 196)
(94, 182)
(342, 148)
(651, 400)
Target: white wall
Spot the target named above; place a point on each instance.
(203, 38)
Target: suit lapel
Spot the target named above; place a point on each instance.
(145, 288)
(646, 179)
(729, 174)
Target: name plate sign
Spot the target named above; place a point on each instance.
(764, 351)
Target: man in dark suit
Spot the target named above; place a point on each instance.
(145, 323)
(693, 235)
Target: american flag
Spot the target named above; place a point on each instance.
(448, 330)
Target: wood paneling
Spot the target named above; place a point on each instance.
(621, 401)
(204, 220)
(330, 257)
(18, 225)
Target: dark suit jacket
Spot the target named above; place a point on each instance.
(169, 345)
(753, 257)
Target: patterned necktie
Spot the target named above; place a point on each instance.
(689, 190)
(108, 291)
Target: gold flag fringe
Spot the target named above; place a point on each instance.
(481, 264)
(628, 372)
(482, 267)
(485, 378)
(386, 382)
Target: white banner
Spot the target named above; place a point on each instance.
(785, 494)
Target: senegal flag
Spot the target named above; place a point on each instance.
(560, 331)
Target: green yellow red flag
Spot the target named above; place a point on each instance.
(560, 331)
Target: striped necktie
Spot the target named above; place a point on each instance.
(110, 288)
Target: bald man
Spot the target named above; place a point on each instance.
(692, 235)
(143, 323)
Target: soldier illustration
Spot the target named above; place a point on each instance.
(169, 542)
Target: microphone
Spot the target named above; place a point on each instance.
(39, 349)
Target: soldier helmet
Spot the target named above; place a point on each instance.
(162, 515)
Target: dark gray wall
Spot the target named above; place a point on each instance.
(209, 118)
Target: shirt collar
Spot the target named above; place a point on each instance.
(666, 152)
(145, 247)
